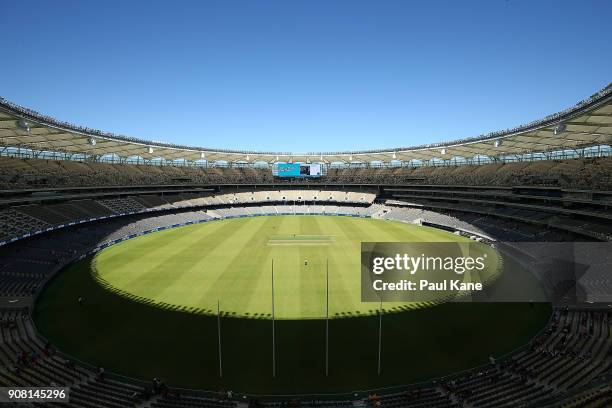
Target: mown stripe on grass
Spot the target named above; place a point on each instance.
(236, 274)
(127, 254)
(152, 278)
(342, 287)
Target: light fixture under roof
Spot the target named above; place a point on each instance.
(23, 125)
(560, 128)
(497, 143)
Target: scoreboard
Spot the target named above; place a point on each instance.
(297, 170)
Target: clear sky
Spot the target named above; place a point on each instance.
(303, 75)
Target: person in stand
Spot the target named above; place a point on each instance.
(156, 385)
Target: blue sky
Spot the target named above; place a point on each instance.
(303, 75)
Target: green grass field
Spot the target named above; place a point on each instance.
(230, 261)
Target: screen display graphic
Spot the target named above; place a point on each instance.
(298, 170)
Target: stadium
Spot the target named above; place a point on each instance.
(324, 204)
(237, 276)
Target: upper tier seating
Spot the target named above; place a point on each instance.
(588, 173)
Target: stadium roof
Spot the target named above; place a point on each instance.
(588, 123)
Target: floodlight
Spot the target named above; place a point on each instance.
(22, 124)
(560, 128)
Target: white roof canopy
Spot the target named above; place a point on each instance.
(588, 123)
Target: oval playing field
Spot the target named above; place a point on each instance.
(149, 310)
(230, 262)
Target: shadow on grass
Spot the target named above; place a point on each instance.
(142, 341)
